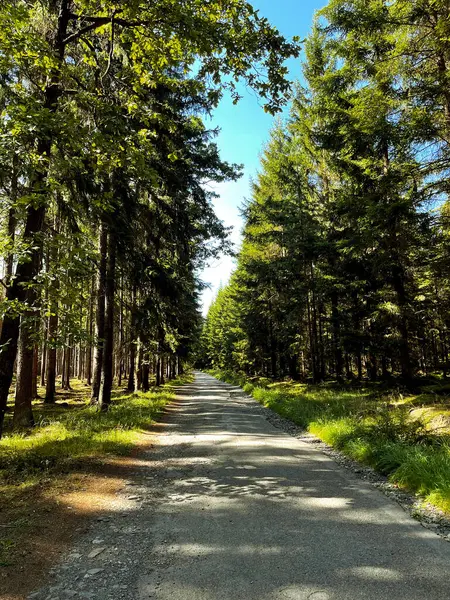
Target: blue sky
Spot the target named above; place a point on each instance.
(245, 128)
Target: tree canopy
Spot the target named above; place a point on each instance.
(106, 220)
(343, 270)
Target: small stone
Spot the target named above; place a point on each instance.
(97, 541)
(92, 572)
(133, 497)
(96, 552)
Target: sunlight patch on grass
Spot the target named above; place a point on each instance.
(65, 436)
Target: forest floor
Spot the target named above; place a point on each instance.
(58, 476)
(229, 506)
(402, 434)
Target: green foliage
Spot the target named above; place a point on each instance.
(343, 268)
(101, 129)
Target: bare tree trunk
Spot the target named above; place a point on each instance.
(23, 414)
(26, 380)
(158, 371)
(100, 313)
(25, 273)
(44, 356)
(108, 347)
(120, 353)
(50, 388)
(139, 364)
(163, 366)
(132, 375)
(34, 376)
(52, 333)
(145, 374)
(90, 332)
(67, 363)
(335, 316)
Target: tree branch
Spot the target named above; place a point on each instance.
(96, 22)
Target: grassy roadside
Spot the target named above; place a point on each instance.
(75, 450)
(402, 435)
(72, 431)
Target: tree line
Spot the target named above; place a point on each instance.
(344, 270)
(105, 217)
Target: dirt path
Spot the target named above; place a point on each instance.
(229, 507)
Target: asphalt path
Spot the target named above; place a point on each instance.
(229, 507)
(268, 516)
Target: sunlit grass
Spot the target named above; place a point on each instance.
(402, 435)
(65, 436)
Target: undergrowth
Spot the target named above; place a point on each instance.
(387, 430)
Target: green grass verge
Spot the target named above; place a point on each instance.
(66, 435)
(384, 429)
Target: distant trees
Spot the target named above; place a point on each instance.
(105, 219)
(343, 270)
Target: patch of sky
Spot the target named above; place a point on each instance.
(244, 130)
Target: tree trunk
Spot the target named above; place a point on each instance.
(399, 286)
(90, 329)
(67, 363)
(26, 379)
(132, 375)
(338, 359)
(50, 388)
(121, 336)
(23, 414)
(34, 376)
(44, 357)
(372, 366)
(100, 312)
(139, 365)
(45, 320)
(52, 332)
(162, 366)
(27, 271)
(108, 347)
(158, 371)
(145, 375)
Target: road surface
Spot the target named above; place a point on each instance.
(229, 507)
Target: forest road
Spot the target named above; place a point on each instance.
(228, 507)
